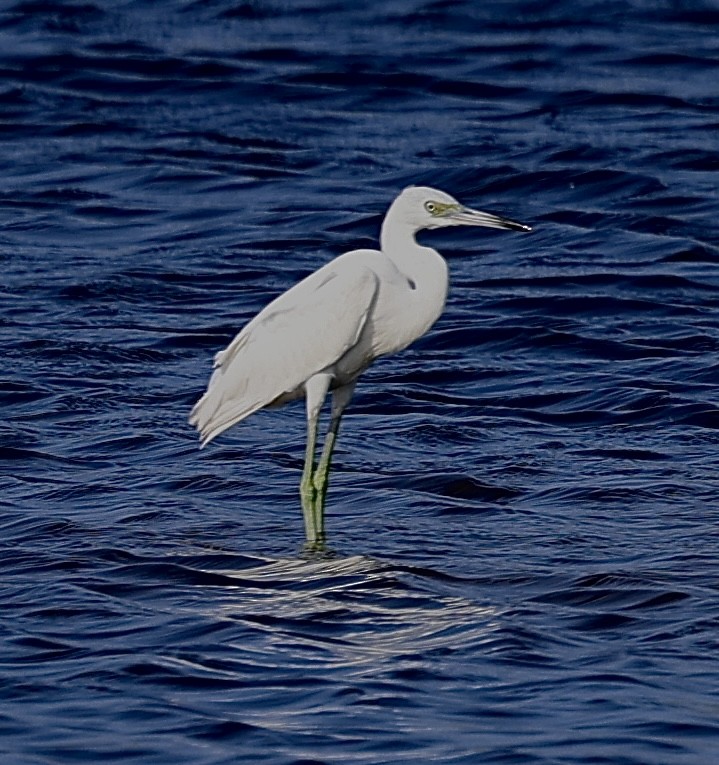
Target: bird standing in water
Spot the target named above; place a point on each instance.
(323, 332)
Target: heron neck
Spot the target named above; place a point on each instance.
(425, 269)
(397, 238)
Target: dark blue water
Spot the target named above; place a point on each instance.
(525, 506)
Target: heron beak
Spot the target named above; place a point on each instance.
(468, 217)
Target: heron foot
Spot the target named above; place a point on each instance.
(317, 551)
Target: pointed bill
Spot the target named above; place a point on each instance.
(468, 217)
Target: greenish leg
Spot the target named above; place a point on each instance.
(315, 389)
(307, 489)
(340, 398)
(321, 477)
(313, 486)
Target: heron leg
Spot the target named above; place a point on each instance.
(307, 490)
(315, 390)
(340, 398)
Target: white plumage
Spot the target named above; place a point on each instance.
(323, 332)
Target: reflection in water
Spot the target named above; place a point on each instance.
(356, 608)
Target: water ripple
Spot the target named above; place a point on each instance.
(523, 507)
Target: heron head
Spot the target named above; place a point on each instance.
(423, 207)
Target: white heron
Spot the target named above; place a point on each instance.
(323, 332)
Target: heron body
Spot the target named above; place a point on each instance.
(323, 332)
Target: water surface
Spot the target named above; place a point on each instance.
(524, 507)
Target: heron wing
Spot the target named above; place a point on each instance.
(299, 334)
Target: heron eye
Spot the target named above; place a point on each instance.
(431, 208)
